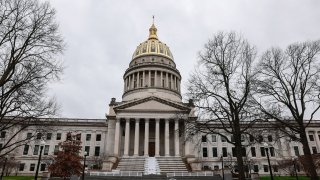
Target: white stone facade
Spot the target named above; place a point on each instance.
(149, 121)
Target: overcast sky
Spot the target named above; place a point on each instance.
(101, 36)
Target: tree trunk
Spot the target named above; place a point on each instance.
(310, 166)
(238, 149)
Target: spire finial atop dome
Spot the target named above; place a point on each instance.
(153, 30)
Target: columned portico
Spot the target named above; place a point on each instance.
(142, 144)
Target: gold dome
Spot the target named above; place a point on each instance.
(152, 46)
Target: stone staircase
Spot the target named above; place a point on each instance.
(151, 166)
(134, 164)
(171, 164)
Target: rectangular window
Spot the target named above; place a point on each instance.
(214, 152)
(253, 152)
(263, 152)
(87, 149)
(1, 147)
(39, 135)
(49, 136)
(58, 136)
(26, 149)
(233, 152)
(21, 167)
(3, 134)
(269, 138)
(214, 138)
(29, 135)
(296, 150)
(275, 168)
(46, 150)
(88, 137)
(36, 150)
(204, 152)
(311, 138)
(204, 139)
(97, 151)
(314, 150)
(243, 152)
(265, 168)
(251, 138)
(223, 139)
(224, 152)
(42, 167)
(56, 149)
(232, 138)
(98, 137)
(32, 166)
(271, 151)
(255, 168)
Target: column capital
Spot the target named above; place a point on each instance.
(146, 120)
(137, 120)
(157, 119)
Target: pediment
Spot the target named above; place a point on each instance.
(152, 104)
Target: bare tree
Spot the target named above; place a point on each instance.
(289, 90)
(29, 46)
(221, 89)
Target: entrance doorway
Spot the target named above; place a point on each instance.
(152, 149)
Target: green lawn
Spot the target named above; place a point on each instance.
(284, 178)
(18, 178)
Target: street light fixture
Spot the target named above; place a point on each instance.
(4, 166)
(294, 167)
(42, 143)
(222, 167)
(84, 163)
(266, 148)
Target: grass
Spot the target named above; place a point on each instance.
(284, 178)
(18, 178)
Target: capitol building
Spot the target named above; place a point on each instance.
(147, 129)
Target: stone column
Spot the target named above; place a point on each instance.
(129, 78)
(138, 79)
(126, 138)
(132, 80)
(171, 82)
(161, 79)
(146, 138)
(157, 152)
(155, 79)
(176, 138)
(136, 138)
(144, 79)
(149, 78)
(167, 80)
(166, 138)
(117, 137)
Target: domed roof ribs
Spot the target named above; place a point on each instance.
(153, 31)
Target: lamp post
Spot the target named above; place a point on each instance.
(222, 167)
(42, 143)
(4, 166)
(266, 148)
(294, 167)
(84, 164)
